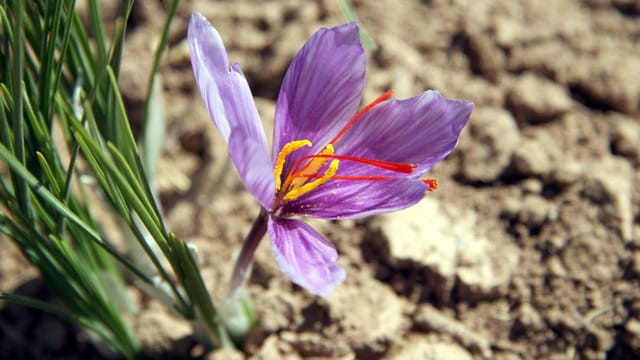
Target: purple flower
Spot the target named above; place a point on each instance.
(328, 159)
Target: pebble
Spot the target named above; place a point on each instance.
(374, 322)
(603, 81)
(610, 182)
(429, 318)
(534, 156)
(535, 100)
(625, 138)
(417, 349)
(535, 211)
(632, 326)
(487, 152)
(485, 57)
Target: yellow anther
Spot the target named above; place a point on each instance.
(286, 150)
(328, 149)
(300, 176)
(301, 190)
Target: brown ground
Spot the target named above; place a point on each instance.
(529, 249)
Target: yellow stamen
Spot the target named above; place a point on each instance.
(298, 178)
(286, 150)
(301, 190)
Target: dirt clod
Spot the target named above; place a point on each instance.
(487, 151)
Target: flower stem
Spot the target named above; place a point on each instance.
(243, 262)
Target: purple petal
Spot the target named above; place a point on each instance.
(304, 255)
(228, 99)
(254, 165)
(321, 90)
(345, 199)
(421, 131)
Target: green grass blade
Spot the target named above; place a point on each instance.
(156, 61)
(97, 30)
(350, 14)
(16, 89)
(117, 46)
(63, 210)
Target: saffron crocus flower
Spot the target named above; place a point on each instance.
(328, 159)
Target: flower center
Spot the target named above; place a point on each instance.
(305, 176)
(297, 182)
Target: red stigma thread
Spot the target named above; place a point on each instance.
(387, 165)
(433, 184)
(354, 177)
(360, 113)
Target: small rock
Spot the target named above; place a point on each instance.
(556, 242)
(374, 322)
(485, 58)
(534, 99)
(430, 319)
(225, 354)
(274, 347)
(419, 349)
(566, 173)
(555, 267)
(610, 182)
(528, 318)
(625, 138)
(313, 344)
(557, 318)
(603, 81)
(484, 267)
(532, 186)
(535, 211)
(534, 156)
(632, 338)
(310, 12)
(508, 31)
(486, 153)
